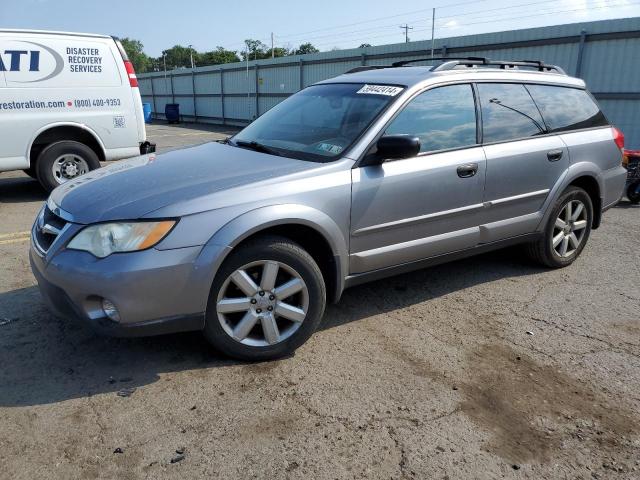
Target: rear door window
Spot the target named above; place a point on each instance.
(566, 108)
(442, 118)
(508, 112)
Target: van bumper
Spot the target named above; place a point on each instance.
(147, 147)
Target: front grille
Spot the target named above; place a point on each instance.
(48, 227)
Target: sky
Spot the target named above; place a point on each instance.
(328, 24)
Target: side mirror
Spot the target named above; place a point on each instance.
(397, 147)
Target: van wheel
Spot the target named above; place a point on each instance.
(63, 161)
(567, 230)
(266, 300)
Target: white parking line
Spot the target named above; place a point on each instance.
(4, 236)
(14, 240)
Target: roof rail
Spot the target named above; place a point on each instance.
(402, 63)
(450, 63)
(502, 64)
(364, 68)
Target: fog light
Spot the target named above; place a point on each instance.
(110, 310)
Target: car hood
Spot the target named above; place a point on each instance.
(136, 187)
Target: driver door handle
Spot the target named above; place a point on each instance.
(467, 170)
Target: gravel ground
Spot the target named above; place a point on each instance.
(484, 368)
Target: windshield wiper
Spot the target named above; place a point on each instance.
(258, 147)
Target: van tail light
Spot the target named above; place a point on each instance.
(131, 73)
(618, 137)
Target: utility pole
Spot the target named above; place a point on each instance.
(191, 56)
(433, 31)
(406, 29)
(248, 94)
(164, 61)
(272, 52)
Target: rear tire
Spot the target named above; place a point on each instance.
(266, 300)
(567, 230)
(62, 161)
(633, 192)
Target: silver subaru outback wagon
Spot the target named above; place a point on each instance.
(378, 171)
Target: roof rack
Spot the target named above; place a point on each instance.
(450, 63)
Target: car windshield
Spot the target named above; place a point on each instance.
(317, 123)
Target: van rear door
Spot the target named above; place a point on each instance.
(135, 90)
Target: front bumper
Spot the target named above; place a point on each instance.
(155, 291)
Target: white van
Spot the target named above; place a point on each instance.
(67, 102)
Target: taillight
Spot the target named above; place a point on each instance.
(133, 80)
(618, 137)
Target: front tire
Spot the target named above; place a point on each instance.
(567, 230)
(266, 300)
(63, 161)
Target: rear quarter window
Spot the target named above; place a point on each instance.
(566, 108)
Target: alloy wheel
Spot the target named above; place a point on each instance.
(569, 228)
(262, 303)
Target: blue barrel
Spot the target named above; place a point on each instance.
(172, 112)
(146, 110)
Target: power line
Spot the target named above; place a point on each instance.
(346, 25)
(393, 26)
(504, 19)
(360, 34)
(352, 33)
(608, 5)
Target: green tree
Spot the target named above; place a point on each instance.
(278, 52)
(365, 45)
(259, 51)
(256, 50)
(134, 48)
(178, 57)
(304, 49)
(217, 56)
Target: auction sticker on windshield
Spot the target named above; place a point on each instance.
(380, 90)
(330, 148)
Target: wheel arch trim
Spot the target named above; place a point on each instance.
(260, 219)
(573, 173)
(51, 126)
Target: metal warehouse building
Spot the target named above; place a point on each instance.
(606, 54)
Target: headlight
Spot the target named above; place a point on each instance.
(106, 238)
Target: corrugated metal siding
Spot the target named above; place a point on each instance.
(626, 116)
(281, 79)
(607, 66)
(610, 66)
